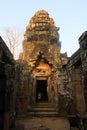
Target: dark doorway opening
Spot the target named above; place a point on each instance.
(41, 90)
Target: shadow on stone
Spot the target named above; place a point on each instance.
(19, 127)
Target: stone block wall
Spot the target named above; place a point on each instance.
(83, 46)
(23, 87)
(7, 79)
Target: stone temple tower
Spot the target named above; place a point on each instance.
(40, 67)
(41, 50)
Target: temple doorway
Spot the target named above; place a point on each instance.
(41, 91)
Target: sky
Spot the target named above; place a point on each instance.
(69, 15)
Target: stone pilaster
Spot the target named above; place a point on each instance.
(83, 46)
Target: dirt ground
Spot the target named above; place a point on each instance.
(45, 123)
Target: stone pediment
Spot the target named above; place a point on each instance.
(41, 67)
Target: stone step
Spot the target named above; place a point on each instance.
(42, 105)
(43, 109)
(43, 114)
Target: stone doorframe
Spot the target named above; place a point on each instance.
(34, 85)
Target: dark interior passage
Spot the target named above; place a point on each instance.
(41, 90)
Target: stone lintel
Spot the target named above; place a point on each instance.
(41, 77)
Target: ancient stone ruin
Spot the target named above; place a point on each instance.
(43, 67)
(44, 81)
(46, 74)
